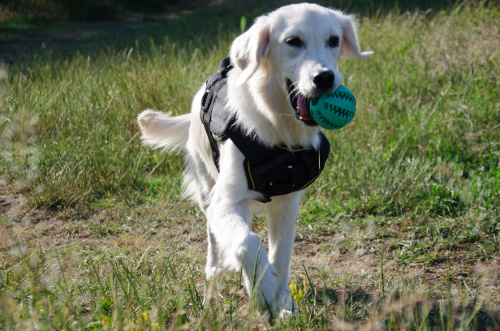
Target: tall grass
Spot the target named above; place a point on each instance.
(87, 140)
(415, 178)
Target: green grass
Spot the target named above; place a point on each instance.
(94, 234)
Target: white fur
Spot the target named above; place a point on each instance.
(258, 95)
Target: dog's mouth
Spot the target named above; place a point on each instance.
(300, 104)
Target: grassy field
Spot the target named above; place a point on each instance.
(400, 231)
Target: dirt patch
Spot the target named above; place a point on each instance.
(11, 203)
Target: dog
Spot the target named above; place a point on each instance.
(286, 56)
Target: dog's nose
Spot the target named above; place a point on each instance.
(324, 80)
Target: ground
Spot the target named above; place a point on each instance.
(352, 276)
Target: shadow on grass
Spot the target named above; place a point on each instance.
(400, 311)
(25, 38)
(66, 32)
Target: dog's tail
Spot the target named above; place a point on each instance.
(161, 130)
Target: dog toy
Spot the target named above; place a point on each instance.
(333, 110)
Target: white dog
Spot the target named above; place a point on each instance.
(284, 59)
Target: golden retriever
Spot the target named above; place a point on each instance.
(287, 55)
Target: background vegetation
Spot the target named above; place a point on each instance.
(90, 10)
(401, 230)
(79, 10)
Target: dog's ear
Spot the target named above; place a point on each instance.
(350, 45)
(249, 48)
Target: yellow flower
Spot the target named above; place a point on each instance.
(105, 322)
(296, 291)
(145, 315)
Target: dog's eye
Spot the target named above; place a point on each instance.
(333, 41)
(294, 41)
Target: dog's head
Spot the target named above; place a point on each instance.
(296, 49)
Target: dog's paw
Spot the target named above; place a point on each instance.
(288, 314)
(211, 272)
(279, 306)
(287, 308)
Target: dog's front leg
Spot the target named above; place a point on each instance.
(282, 213)
(240, 248)
(229, 223)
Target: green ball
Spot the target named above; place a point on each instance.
(333, 110)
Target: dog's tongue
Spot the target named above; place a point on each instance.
(303, 107)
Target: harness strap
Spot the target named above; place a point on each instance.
(215, 89)
(270, 164)
(207, 114)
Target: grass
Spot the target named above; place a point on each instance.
(400, 231)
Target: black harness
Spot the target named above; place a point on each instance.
(270, 171)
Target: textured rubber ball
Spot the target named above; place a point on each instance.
(334, 110)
